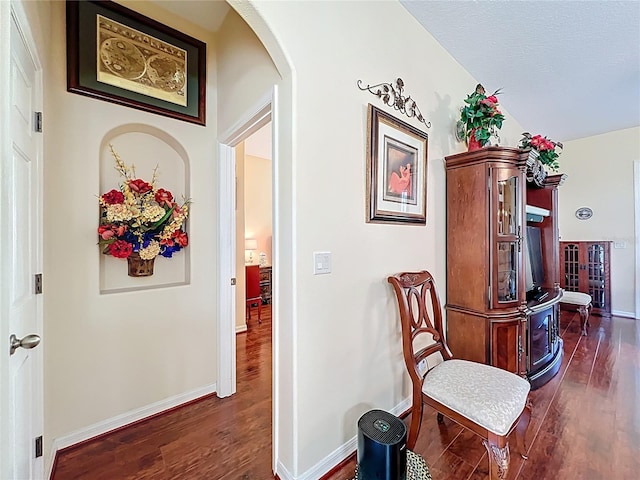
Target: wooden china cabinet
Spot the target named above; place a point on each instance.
(584, 267)
(489, 319)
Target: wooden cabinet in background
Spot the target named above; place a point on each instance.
(489, 319)
(486, 192)
(266, 274)
(584, 267)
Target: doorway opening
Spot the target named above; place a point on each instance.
(254, 228)
(231, 254)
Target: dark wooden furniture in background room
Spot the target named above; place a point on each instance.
(489, 319)
(252, 290)
(584, 267)
(266, 274)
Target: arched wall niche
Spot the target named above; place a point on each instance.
(145, 147)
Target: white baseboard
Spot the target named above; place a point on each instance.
(241, 328)
(338, 455)
(124, 419)
(283, 473)
(618, 313)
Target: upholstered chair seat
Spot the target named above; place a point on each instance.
(583, 302)
(491, 397)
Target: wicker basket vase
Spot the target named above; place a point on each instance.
(139, 267)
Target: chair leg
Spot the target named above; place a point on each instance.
(259, 310)
(521, 430)
(584, 318)
(416, 419)
(498, 458)
(248, 310)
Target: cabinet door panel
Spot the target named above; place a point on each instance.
(506, 345)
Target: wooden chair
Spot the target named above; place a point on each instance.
(489, 401)
(252, 290)
(582, 301)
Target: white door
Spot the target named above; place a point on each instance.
(24, 260)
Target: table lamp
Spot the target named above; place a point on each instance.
(250, 244)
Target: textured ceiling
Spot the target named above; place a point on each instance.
(567, 69)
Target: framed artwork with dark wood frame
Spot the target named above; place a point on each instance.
(120, 56)
(396, 170)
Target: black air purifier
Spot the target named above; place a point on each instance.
(382, 447)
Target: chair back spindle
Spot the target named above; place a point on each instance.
(421, 321)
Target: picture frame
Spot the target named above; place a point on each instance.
(120, 56)
(396, 170)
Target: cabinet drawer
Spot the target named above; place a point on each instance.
(265, 275)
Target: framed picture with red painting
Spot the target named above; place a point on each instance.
(396, 170)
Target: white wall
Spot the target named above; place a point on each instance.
(600, 176)
(245, 71)
(107, 355)
(257, 205)
(346, 338)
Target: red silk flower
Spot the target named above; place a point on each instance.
(181, 238)
(120, 249)
(139, 186)
(113, 197)
(163, 197)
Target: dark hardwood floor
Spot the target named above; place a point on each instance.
(209, 439)
(585, 423)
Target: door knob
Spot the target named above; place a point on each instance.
(29, 341)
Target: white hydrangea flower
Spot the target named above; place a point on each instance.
(153, 213)
(118, 213)
(152, 251)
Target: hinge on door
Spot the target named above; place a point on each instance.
(39, 446)
(38, 123)
(233, 281)
(38, 283)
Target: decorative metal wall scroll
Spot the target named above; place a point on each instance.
(392, 96)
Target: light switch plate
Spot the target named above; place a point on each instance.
(619, 245)
(321, 263)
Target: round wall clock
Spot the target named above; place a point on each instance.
(584, 213)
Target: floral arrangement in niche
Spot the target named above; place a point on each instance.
(480, 118)
(548, 150)
(139, 219)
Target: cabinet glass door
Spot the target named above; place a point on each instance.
(508, 220)
(595, 266)
(507, 230)
(507, 272)
(571, 267)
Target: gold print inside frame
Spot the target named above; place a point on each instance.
(129, 59)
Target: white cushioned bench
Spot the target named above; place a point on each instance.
(583, 302)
